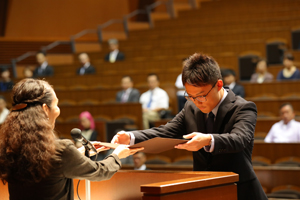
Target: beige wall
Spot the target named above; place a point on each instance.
(60, 18)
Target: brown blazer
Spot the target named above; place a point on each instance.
(59, 185)
(234, 138)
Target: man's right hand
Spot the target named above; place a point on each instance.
(121, 138)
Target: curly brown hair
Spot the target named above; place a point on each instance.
(27, 141)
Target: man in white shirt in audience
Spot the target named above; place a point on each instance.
(153, 101)
(287, 130)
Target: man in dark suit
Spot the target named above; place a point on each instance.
(229, 81)
(219, 124)
(86, 68)
(115, 54)
(128, 94)
(43, 69)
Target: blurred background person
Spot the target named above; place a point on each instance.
(41, 166)
(128, 94)
(27, 72)
(153, 101)
(6, 84)
(115, 54)
(86, 68)
(290, 71)
(44, 69)
(3, 110)
(261, 75)
(286, 130)
(87, 126)
(230, 81)
(180, 92)
(139, 160)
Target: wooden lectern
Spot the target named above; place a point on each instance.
(159, 185)
(163, 185)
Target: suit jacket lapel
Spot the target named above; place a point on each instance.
(223, 109)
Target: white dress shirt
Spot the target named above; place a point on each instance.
(179, 85)
(160, 99)
(113, 56)
(124, 97)
(84, 67)
(3, 115)
(143, 167)
(231, 86)
(284, 133)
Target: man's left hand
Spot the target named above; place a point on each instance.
(198, 141)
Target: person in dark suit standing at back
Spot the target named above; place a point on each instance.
(115, 54)
(43, 69)
(86, 68)
(229, 81)
(219, 124)
(128, 94)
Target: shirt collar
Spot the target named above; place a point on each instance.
(44, 65)
(231, 86)
(215, 110)
(143, 167)
(86, 65)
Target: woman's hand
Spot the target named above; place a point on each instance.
(122, 151)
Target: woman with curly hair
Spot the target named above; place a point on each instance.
(34, 163)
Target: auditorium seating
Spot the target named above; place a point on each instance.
(224, 29)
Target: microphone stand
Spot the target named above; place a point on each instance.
(87, 182)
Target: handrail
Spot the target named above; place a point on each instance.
(170, 7)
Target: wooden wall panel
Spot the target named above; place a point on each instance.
(55, 18)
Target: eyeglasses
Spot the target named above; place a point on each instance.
(199, 98)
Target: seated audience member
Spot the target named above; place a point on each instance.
(6, 84)
(27, 72)
(86, 68)
(3, 110)
(87, 126)
(262, 74)
(43, 69)
(153, 101)
(287, 130)
(180, 92)
(128, 94)
(115, 54)
(229, 81)
(289, 72)
(139, 160)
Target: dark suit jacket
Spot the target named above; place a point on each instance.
(48, 71)
(120, 56)
(90, 70)
(133, 96)
(239, 90)
(233, 135)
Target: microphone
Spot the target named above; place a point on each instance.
(76, 135)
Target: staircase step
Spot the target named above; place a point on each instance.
(160, 16)
(138, 26)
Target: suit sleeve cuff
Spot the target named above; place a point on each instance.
(211, 147)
